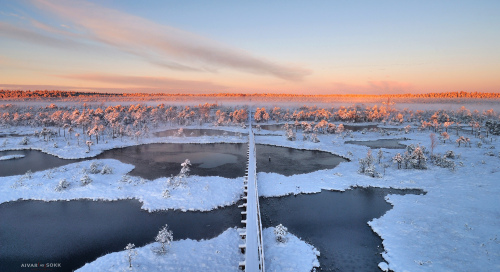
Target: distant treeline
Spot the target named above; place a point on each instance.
(18, 94)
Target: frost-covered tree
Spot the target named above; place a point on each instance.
(185, 168)
(380, 155)
(131, 253)
(433, 138)
(290, 135)
(339, 129)
(398, 159)
(314, 138)
(280, 233)
(165, 238)
(89, 143)
(445, 136)
(63, 184)
(367, 166)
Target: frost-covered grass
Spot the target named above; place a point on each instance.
(10, 157)
(218, 254)
(199, 193)
(454, 227)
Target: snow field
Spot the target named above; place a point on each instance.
(218, 254)
(200, 193)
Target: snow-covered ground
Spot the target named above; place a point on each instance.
(199, 193)
(10, 157)
(454, 227)
(76, 148)
(218, 254)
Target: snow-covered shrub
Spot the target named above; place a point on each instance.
(164, 237)
(166, 193)
(94, 167)
(24, 141)
(280, 232)
(367, 166)
(28, 174)
(55, 145)
(414, 157)
(125, 178)
(63, 184)
(442, 161)
(314, 138)
(131, 253)
(85, 180)
(48, 174)
(19, 182)
(449, 154)
(180, 133)
(417, 158)
(4, 144)
(290, 135)
(106, 170)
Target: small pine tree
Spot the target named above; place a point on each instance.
(85, 180)
(280, 232)
(165, 238)
(131, 254)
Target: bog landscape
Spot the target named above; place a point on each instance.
(249, 136)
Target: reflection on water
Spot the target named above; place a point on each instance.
(290, 161)
(162, 160)
(335, 223)
(380, 143)
(151, 161)
(196, 132)
(75, 232)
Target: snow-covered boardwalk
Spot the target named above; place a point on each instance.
(254, 251)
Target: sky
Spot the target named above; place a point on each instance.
(300, 47)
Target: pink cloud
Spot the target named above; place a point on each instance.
(141, 82)
(164, 45)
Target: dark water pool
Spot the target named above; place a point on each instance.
(335, 223)
(75, 232)
(190, 132)
(359, 127)
(381, 143)
(291, 161)
(162, 160)
(151, 160)
(33, 160)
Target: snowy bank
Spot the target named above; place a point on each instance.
(218, 254)
(199, 193)
(10, 157)
(293, 255)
